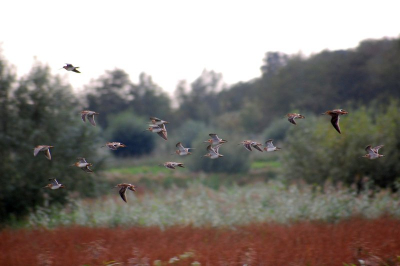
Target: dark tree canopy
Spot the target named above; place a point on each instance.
(40, 110)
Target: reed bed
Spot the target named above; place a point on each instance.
(198, 206)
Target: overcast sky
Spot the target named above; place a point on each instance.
(175, 40)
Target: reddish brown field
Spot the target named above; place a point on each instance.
(261, 244)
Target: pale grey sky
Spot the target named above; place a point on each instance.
(175, 40)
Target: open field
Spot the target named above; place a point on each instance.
(306, 243)
(149, 169)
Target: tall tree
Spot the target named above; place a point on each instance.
(43, 111)
(110, 93)
(200, 102)
(273, 62)
(149, 99)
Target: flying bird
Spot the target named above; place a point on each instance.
(45, 149)
(157, 121)
(215, 139)
(182, 150)
(89, 115)
(335, 117)
(83, 164)
(373, 152)
(114, 145)
(269, 146)
(54, 184)
(256, 145)
(248, 144)
(70, 67)
(122, 189)
(213, 152)
(161, 130)
(291, 117)
(172, 165)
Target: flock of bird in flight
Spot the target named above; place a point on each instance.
(158, 126)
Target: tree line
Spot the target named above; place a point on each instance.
(40, 108)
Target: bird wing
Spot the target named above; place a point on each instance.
(214, 136)
(53, 181)
(82, 160)
(37, 150)
(163, 134)
(91, 119)
(83, 116)
(87, 169)
(269, 144)
(122, 193)
(180, 146)
(216, 148)
(47, 154)
(76, 70)
(335, 122)
(369, 150)
(291, 120)
(255, 145)
(155, 119)
(247, 146)
(211, 150)
(376, 149)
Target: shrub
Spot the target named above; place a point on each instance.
(316, 152)
(235, 159)
(129, 129)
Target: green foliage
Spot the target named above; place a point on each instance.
(128, 128)
(277, 130)
(235, 160)
(200, 103)
(329, 78)
(266, 164)
(314, 151)
(133, 170)
(113, 93)
(42, 111)
(110, 93)
(198, 206)
(149, 99)
(190, 131)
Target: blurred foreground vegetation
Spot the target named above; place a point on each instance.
(40, 108)
(198, 205)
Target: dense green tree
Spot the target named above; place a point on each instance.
(273, 62)
(128, 128)
(315, 152)
(41, 110)
(114, 92)
(326, 80)
(109, 94)
(200, 102)
(149, 99)
(235, 160)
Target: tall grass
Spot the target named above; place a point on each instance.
(198, 205)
